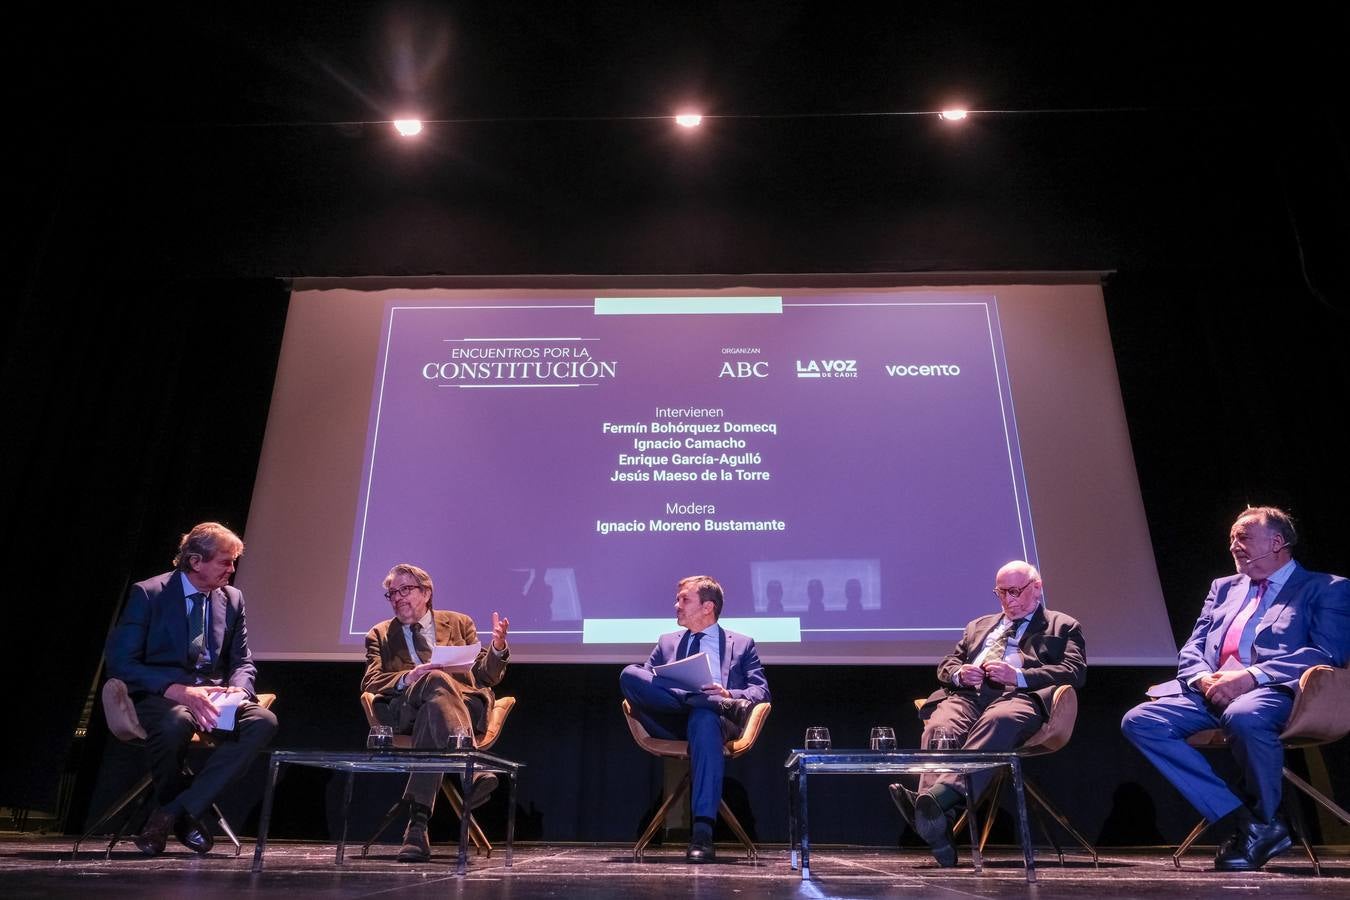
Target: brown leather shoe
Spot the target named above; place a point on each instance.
(416, 842)
(155, 832)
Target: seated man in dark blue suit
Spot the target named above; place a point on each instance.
(1258, 632)
(181, 646)
(706, 718)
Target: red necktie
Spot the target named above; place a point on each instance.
(1234, 635)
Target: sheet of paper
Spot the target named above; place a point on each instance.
(692, 672)
(228, 704)
(458, 659)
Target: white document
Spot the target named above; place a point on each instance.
(692, 672)
(228, 705)
(456, 659)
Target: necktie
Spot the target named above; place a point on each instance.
(196, 630)
(1233, 637)
(998, 647)
(694, 640)
(420, 642)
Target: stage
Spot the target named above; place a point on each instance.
(42, 866)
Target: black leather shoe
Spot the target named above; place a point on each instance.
(155, 833)
(903, 798)
(483, 786)
(193, 835)
(935, 827)
(1256, 844)
(700, 851)
(416, 842)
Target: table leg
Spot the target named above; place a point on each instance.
(976, 857)
(792, 819)
(462, 865)
(511, 819)
(1024, 829)
(346, 811)
(803, 834)
(265, 818)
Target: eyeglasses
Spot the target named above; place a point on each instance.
(1016, 592)
(401, 592)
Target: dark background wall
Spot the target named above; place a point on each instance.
(168, 173)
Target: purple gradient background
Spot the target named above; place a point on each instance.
(921, 474)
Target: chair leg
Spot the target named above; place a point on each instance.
(1044, 803)
(225, 827)
(401, 805)
(1200, 828)
(480, 842)
(990, 802)
(660, 817)
(126, 800)
(1322, 799)
(735, 823)
(1294, 810)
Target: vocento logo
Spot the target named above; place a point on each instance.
(928, 370)
(827, 368)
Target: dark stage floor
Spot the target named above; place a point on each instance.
(42, 867)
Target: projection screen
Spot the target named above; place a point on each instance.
(852, 462)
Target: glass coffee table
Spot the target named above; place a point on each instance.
(465, 763)
(803, 763)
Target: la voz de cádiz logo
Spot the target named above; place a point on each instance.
(827, 368)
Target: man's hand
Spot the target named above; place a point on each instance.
(198, 702)
(970, 676)
(500, 625)
(418, 671)
(715, 690)
(998, 670)
(1222, 688)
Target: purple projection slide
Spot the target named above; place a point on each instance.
(846, 464)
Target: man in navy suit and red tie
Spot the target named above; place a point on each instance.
(706, 718)
(181, 647)
(1258, 632)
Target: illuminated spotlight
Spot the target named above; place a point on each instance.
(689, 120)
(408, 127)
(953, 115)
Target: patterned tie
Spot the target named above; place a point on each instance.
(420, 642)
(998, 647)
(196, 630)
(694, 640)
(1232, 639)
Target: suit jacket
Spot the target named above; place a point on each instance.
(1053, 653)
(742, 672)
(388, 656)
(148, 647)
(1307, 624)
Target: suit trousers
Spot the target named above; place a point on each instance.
(169, 728)
(432, 710)
(1252, 722)
(987, 719)
(678, 715)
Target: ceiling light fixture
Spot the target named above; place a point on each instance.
(689, 120)
(953, 115)
(408, 127)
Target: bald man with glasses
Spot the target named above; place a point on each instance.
(996, 688)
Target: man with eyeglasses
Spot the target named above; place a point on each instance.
(996, 688)
(1258, 632)
(423, 698)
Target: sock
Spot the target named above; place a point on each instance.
(946, 796)
(703, 828)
